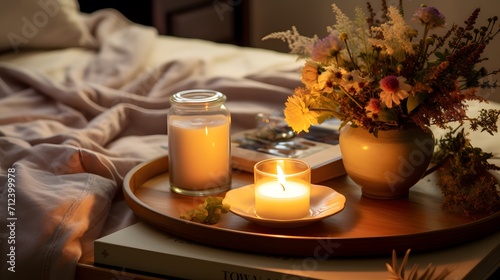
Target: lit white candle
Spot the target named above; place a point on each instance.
(282, 199)
(200, 160)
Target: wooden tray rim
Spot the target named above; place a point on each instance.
(295, 245)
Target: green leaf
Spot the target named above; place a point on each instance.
(440, 55)
(387, 115)
(414, 101)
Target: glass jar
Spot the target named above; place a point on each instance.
(282, 189)
(199, 145)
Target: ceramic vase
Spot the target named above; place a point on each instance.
(386, 166)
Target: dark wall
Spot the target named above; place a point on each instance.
(138, 11)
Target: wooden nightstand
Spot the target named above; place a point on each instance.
(223, 21)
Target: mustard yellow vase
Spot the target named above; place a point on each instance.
(387, 166)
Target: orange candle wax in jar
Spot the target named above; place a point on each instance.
(199, 146)
(282, 189)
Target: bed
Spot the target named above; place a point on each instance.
(76, 117)
(83, 99)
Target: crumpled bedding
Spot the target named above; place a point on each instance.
(73, 122)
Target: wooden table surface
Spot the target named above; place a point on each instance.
(366, 227)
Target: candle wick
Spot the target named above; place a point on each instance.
(283, 186)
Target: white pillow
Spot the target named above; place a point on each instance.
(42, 24)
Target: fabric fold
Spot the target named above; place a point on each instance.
(70, 141)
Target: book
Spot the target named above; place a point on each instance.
(143, 249)
(319, 148)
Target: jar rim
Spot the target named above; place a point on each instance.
(304, 167)
(198, 96)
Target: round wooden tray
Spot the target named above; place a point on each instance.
(366, 227)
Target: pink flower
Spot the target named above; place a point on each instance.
(394, 89)
(372, 107)
(430, 16)
(327, 49)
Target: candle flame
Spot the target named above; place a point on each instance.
(281, 176)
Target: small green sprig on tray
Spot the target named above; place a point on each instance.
(464, 179)
(208, 212)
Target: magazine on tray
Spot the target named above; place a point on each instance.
(319, 148)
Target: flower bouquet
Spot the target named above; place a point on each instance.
(381, 74)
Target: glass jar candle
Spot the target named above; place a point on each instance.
(282, 189)
(199, 143)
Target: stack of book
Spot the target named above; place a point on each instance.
(144, 249)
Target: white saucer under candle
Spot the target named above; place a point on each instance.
(324, 202)
(282, 189)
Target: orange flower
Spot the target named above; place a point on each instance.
(310, 74)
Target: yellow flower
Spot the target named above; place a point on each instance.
(297, 113)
